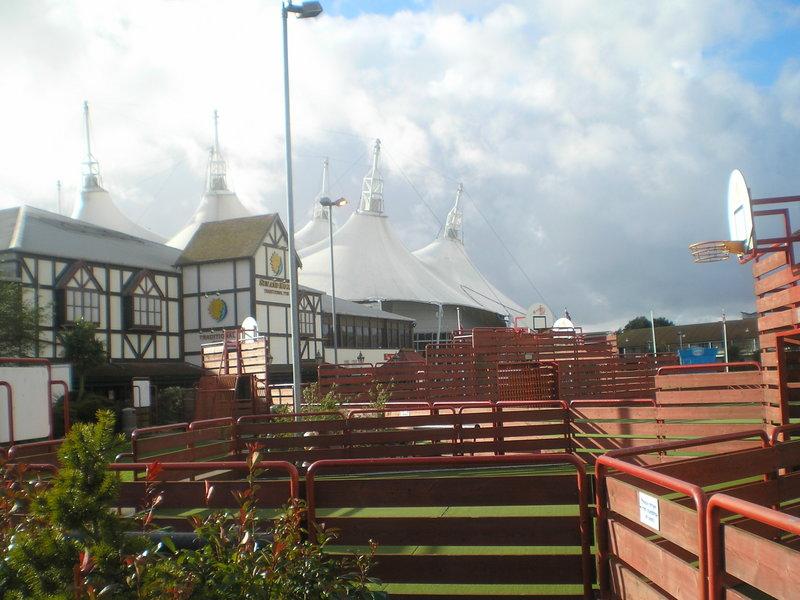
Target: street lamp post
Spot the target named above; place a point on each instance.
(325, 201)
(303, 11)
(725, 337)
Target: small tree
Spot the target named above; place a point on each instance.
(19, 321)
(83, 350)
(643, 322)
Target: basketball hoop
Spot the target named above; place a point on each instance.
(705, 252)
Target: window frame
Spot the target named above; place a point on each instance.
(79, 296)
(143, 297)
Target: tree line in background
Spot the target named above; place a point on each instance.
(643, 322)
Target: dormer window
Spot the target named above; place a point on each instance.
(79, 295)
(143, 302)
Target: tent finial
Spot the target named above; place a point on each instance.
(91, 172)
(372, 189)
(217, 168)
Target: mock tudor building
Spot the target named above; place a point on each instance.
(129, 287)
(238, 268)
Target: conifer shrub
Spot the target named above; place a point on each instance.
(62, 539)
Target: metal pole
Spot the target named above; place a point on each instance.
(439, 325)
(725, 336)
(297, 379)
(653, 331)
(333, 291)
(86, 130)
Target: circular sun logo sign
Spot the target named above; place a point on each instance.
(276, 264)
(217, 309)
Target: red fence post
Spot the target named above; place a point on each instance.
(10, 399)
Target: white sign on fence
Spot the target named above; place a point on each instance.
(648, 510)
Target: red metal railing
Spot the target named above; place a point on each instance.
(716, 559)
(462, 461)
(671, 369)
(612, 460)
(693, 491)
(10, 399)
(200, 467)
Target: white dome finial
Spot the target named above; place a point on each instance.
(372, 189)
(91, 172)
(453, 228)
(217, 168)
(564, 323)
(320, 212)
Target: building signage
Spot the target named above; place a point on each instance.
(276, 287)
(218, 309)
(211, 337)
(648, 510)
(276, 264)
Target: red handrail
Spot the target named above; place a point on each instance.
(714, 365)
(762, 514)
(619, 402)
(703, 441)
(238, 465)
(693, 491)
(136, 433)
(210, 423)
(67, 423)
(13, 450)
(613, 460)
(783, 430)
(10, 392)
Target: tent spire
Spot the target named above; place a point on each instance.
(216, 164)
(453, 228)
(372, 189)
(320, 212)
(91, 166)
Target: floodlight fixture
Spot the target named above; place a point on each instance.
(305, 10)
(325, 201)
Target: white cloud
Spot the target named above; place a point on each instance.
(610, 126)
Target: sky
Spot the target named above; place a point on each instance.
(594, 139)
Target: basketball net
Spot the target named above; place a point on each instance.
(704, 252)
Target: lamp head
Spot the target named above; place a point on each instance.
(325, 201)
(306, 10)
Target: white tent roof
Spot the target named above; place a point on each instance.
(95, 204)
(317, 228)
(448, 259)
(370, 260)
(216, 205)
(218, 202)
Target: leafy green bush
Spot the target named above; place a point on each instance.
(63, 541)
(315, 401)
(69, 523)
(82, 409)
(171, 405)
